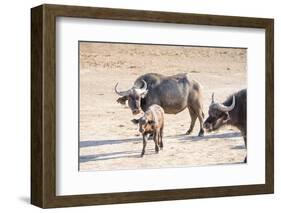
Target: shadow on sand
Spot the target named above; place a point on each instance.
(239, 147)
(114, 155)
(108, 142)
(136, 154)
(206, 137)
(181, 137)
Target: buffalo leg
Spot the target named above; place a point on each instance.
(161, 138)
(197, 109)
(144, 137)
(193, 117)
(245, 141)
(156, 141)
(201, 120)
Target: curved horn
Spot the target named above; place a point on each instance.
(144, 85)
(143, 89)
(122, 93)
(213, 100)
(224, 108)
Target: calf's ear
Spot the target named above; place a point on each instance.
(135, 121)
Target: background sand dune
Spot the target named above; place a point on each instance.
(108, 139)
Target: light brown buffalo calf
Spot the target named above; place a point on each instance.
(152, 123)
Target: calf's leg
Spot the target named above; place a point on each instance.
(156, 141)
(144, 138)
(161, 138)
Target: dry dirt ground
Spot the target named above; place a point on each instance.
(108, 139)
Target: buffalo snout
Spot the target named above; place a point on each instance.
(135, 111)
(207, 126)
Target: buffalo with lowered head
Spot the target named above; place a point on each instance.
(173, 93)
(233, 111)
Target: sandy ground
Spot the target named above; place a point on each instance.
(108, 139)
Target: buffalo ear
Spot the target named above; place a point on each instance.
(122, 100)
(144, 94)
(135, 121)
(226, 117)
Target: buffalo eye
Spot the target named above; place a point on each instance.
(226, 116)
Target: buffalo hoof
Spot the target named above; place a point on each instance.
(161, 146)
(188, 132)
(201, 134)
(157, 149)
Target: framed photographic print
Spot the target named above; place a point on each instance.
(136, 106)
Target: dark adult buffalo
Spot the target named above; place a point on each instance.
(232, 111)
(173, 93)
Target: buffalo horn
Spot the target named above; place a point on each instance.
(224, 108)
(143, 89)
(122, 93)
